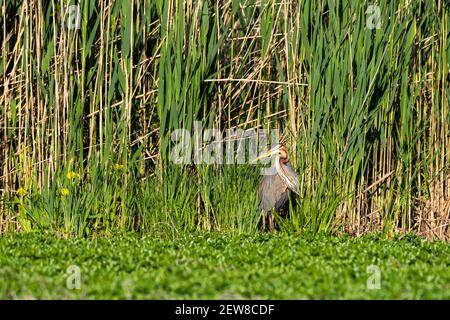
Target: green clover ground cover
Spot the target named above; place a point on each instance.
(220, 266)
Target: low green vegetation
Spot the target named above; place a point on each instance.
(225, 266)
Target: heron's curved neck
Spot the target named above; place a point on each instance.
(278, 165)
(284, 157)
(281, 158)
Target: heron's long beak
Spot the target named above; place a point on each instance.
(266, 154)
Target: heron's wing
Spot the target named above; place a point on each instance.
(272, 193)
(282, 199)
(289, 170)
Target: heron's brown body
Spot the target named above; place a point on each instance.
(274, 189)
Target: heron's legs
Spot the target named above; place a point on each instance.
(271, 222)
(266, 218)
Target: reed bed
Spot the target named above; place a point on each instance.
(87, 113)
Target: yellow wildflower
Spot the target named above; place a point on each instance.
(118, 166)
(72, 175)
(21, 192)
(64, 192)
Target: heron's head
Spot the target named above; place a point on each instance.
(284, 170)
(279, 150)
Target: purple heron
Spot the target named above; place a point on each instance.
(275, 187)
